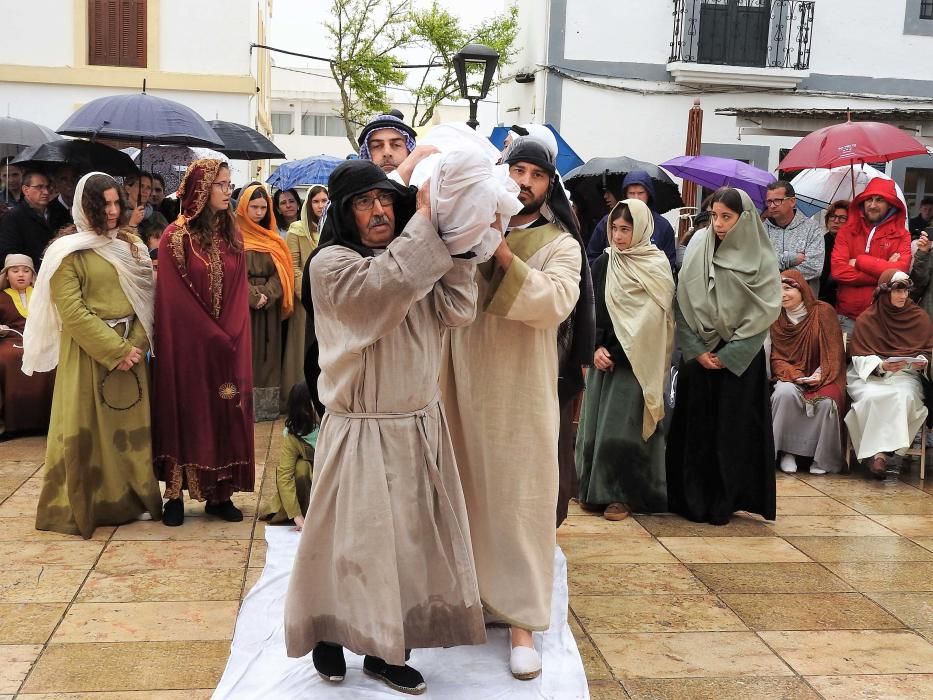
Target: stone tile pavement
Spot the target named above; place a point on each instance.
(834, 600)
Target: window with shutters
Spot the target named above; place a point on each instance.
(117, 33)
(282, 123)
(926, 9)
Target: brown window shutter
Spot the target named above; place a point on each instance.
(117, 33)
(133, 33)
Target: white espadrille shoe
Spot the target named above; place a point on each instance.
(525, 663)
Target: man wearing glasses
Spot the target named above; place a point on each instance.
(797, 240)
(26, 229)
(385, 560)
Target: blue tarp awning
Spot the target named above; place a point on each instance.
(567, 158)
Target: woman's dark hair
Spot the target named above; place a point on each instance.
(301, 418)
(728, 196)
(312, 193)
(621, 211)
(260, 193)
(156, 176)
(838, 204)
(94, 204)
(95, 207)
(275, 203)
(207, 223)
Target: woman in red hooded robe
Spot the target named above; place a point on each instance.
(202, 405)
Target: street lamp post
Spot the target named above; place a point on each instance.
(475, 55)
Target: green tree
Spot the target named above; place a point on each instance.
(365, 34)
(440, 32)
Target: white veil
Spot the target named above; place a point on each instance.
(42, 337)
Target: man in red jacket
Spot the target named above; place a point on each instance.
(873, 240)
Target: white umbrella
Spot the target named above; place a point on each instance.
(818, 188)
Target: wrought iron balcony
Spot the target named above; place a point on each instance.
(751, 33)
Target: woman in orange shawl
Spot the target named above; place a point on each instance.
(809, 375)
(271, 294)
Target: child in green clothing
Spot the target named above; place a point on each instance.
(293, 477)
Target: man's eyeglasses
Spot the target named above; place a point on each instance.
(776, 202)
(367, 202)
(41, 188)
(839, 217)
(224, 186)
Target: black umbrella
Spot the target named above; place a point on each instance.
(141, 117)
(243, 143)
(85, 156)
(587, 183)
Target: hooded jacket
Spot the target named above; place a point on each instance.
(871, 246)
(663, 236)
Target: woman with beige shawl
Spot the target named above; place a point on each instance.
(620, 444)
(720, 454)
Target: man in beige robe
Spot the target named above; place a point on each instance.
(500, 395)
(384, 564)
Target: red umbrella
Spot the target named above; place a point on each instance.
(849, 143)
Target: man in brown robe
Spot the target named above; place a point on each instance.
(385, 560)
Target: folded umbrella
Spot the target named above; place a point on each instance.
(315, 170)
(141, 117)
(713, 172)
(243, 143)
(85, 156)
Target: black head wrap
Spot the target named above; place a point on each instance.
(577, 334)
(349, 179)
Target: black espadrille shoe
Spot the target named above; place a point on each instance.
(329, 662)
(404, 679)
(173, 513)
(225, 511)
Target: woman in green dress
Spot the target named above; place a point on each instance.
(91, 315)
(620, 443)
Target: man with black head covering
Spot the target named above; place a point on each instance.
(385, 559)
(503, 382)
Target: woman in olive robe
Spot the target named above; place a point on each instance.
(91, 315)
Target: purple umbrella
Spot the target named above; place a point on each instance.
(713, 173)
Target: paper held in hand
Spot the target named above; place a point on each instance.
(918, 361)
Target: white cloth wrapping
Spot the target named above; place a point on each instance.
(886, 411)
(43, 334)
(259, 668)
(468, 190)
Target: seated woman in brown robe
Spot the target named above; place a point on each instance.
(25, 402)
(809, 375)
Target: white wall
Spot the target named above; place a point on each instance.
(207, 36)
(636, 31)
(37, 33)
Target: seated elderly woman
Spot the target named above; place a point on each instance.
(809, 374)
(890, 350)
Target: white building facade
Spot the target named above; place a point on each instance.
(618, 77)
(57, 55)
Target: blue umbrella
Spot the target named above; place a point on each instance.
(567, 158)
(309, 171)
(141, 117)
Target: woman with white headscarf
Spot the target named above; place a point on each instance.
(620, 443)
(91, 316)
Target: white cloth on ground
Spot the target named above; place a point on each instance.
(259, 668)
(886, 411)
(468, 189)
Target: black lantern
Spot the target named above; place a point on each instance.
(475, 56)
